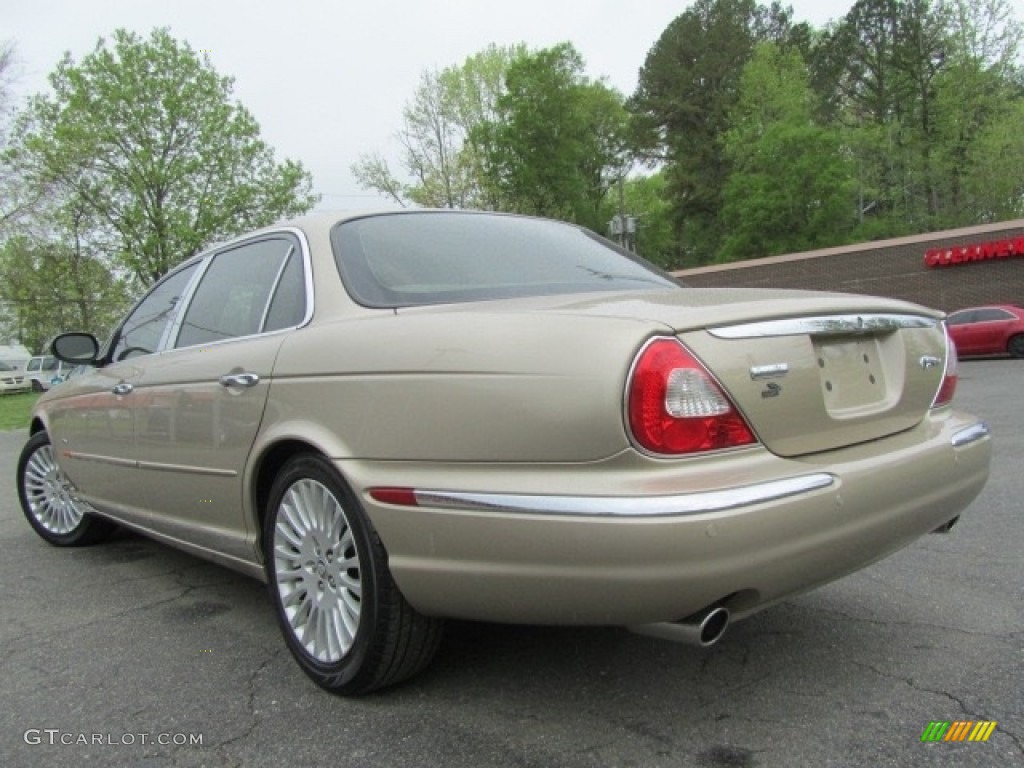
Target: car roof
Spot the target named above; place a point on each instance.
(1015, 308)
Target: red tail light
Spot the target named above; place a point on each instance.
(674, 406)
(945, 394)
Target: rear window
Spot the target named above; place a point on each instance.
(417, 258)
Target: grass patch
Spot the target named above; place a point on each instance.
(16, 409)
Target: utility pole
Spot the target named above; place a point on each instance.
(623, 237)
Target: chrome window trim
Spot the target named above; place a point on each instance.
(307, 270)
(824, 325)
(173, 329)
(679, 505)
(274, 287)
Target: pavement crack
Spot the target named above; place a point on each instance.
(1015, 738)
(36, 638)
(914, 685)
(251, 710)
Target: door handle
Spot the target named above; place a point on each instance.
(124, 388)
(239, 380)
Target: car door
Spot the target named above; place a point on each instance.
(93, 425)
(203, 399)
(962, 329)
(991, 330)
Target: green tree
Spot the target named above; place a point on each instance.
(56, 280)
(143, 135)
(444, 165)
(978, 94)
(790, 187)
(872, 97)
(559, 139)
(915, 85)
(17, 199)
(994, 186)
(689, 82)
(645, 200)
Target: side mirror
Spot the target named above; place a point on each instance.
(76, 348)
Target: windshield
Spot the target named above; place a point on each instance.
(430, 257)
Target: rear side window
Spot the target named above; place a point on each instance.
(47, 363)
(288, 306)
(988, 315)
(234, 295)
(416, 258)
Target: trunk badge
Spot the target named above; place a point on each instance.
(928, 361)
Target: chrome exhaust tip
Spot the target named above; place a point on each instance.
(702, 629)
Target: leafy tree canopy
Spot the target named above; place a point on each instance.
(144, 136)
(558, 141)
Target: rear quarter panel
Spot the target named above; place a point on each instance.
(458, 387)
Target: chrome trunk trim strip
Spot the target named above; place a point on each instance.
(827, 325)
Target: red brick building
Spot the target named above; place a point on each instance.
(946, 270)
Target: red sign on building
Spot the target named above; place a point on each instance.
(965, 254)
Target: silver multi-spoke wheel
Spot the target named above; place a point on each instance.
(50, 502)
(343, 617)
(49, 493)
(317, 571)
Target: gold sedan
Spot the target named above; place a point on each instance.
(399, 417)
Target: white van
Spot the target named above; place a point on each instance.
(46, 370)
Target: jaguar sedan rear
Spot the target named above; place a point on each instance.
(402, 417)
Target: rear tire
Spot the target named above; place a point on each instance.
(1015, 346)
(342, 615)
(49, 500)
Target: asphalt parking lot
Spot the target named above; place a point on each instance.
(108, 651)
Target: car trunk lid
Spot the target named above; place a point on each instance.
(815, 383)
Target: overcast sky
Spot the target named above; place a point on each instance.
(327, 79)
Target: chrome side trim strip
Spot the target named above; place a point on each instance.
(135, 464)
(627, 506)
(188, 469)
(970, 435)
(99, 459)
(826, 325)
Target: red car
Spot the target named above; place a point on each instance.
(994, 330)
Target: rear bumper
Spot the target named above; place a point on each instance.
(652, 540)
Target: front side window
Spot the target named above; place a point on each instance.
(142, 331)
(234, 295)
(417, 258)
(960, 318)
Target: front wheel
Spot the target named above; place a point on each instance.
(341, 613)
(1016, 345)
(50, 502)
